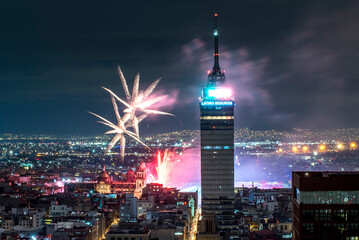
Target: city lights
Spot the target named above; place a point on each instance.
(267, 150)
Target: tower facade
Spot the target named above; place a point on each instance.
(217, 146)
(140, 180)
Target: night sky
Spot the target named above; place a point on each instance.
(290, 63)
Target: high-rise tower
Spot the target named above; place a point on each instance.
(217, 147)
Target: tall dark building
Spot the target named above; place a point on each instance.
(325, 205)
(217, 147)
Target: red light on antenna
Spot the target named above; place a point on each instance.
(208, 72)
(224, 70)
(215, 14)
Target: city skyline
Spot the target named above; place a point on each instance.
(264, 145)
(286, 73)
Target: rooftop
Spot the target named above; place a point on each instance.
(326, 181)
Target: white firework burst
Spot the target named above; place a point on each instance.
(120, 130)
(138, 101)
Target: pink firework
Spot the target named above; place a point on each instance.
(161, 168)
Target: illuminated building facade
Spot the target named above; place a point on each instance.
(217, 148)
(104, 183)
(325, 205)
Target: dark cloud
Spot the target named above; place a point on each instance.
(289, 63)
(322, 82)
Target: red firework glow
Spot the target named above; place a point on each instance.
(175, 169)
(161, 168)
(181, 168)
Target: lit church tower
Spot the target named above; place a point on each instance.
(217, 148)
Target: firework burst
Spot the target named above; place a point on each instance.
(138, 101)
(119, 129)
(161, 168)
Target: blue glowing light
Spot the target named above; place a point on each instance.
(220, 92)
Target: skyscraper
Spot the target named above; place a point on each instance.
(217, 147)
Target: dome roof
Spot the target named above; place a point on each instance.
(104, 175)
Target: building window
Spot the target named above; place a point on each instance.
(340, 215)
(339, 228)
(327, 197)
(308, 228)
(308, 215)
(323, 215)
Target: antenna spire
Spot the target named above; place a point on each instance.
(216, 67)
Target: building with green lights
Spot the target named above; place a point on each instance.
(325, 205)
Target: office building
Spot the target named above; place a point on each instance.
(325, 205)
(217, 148)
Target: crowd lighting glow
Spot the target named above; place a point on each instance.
(305, 148)
(295, 149)
(322, 147)
(340, 146)
(353, 145)
(184, 171)
(220, 93)
(217, 103)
